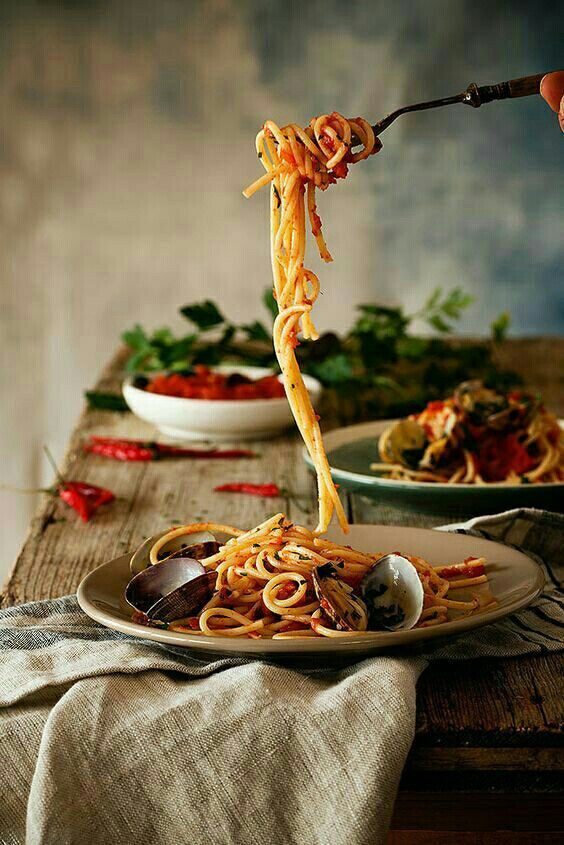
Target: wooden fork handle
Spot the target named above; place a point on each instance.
(523, 87)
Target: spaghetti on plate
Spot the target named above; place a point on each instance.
(267, 584)
(476, 436)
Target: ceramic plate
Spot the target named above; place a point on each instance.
(216, 420)
(514, 580)
(351, 450)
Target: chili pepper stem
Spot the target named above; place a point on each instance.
(53, 463)
(27, 490)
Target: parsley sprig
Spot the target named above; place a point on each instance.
(379, 366)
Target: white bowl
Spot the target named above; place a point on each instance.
(216, 419)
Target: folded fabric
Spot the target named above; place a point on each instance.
(108, 739)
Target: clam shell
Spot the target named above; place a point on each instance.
(393, 594)
(175, 588)
(405, 443)
(338, 600)
(187, 544)
(479, 401)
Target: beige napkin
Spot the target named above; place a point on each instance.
(106, 739)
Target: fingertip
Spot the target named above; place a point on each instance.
(552, 88)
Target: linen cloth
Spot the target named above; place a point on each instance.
(108, 739)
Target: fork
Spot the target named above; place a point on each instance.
(474, 96)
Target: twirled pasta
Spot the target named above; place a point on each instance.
(297, 160)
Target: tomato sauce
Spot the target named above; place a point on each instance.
(206, 384)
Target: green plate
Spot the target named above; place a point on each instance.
(351, 450)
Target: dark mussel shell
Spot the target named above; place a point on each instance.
(173, 589)
(338, 600)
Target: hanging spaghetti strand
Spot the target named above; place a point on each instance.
(293, 159)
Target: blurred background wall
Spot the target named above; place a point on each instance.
(126, 135)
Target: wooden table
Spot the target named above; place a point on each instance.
(485, 762)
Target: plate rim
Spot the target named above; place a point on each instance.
(363, 644)
(403, 484)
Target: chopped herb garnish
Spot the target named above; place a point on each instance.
(100, 401)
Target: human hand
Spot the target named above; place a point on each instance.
(552, 89)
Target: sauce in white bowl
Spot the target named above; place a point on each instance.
(216, 419)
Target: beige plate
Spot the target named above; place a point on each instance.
(514, 579)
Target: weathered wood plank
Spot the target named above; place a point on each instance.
(513, 701)
(459, 837)
(540, 361)
(437, 758)
(442, 811)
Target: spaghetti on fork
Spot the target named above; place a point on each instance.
(297, 162)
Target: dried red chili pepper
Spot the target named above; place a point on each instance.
(266, 490)
(140, 450)
(84, 498)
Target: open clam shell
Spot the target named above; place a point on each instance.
(404, 443)
(338, 600)
(197, 546)
(173, 589)
(480, 402)
(393, 594)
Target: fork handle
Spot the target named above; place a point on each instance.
(523, 87)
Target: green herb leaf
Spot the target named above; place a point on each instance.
(163, 336)
(334, 370)
(100, 401)
(438, 323)
(143, 360)
(500, 327)
(205, 315)
(270, 302)
(256, 331)
(412, 348)
(135, 338)
(436, 308)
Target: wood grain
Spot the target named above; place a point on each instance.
(482, 717)
(439, 811)
(495, 837)
(425, 758)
